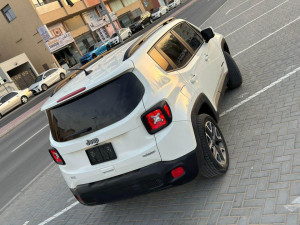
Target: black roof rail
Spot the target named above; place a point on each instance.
(144, 37)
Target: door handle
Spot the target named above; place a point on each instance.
(193, 79)
(206, 57)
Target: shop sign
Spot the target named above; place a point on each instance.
(57, 30)
(59, 42)
(44, 32)
(95, 22)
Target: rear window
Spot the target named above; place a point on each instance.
(96, 109)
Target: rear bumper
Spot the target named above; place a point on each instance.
(147, 179)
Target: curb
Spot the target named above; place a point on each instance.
(16, 122)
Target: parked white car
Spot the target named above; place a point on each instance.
(146, 118)
(173, 4)
(157, 13)
(13, 99)
(46, 79)
(124, 33)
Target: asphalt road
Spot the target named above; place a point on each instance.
(24, 151)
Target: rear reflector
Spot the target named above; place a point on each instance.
(56, 156)
(157, 118)
(71, 94)
(178, 172)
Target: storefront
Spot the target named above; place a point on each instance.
(68, 56)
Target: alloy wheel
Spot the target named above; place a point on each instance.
(215, 143)
(24, 99)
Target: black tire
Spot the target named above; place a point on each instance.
(108, 47)
(234, 74)
(130, 34)
(24, 99)
(94, 56)
(44, 87)
(210, 165)
(62, 76)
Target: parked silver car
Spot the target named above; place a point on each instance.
(13, 99)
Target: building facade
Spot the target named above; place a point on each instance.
(52, 33)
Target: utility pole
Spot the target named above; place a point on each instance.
(110, 20)
(103, 8)
(2, 82)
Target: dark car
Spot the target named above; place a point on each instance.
(141, 21)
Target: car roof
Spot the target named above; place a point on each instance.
(111, 65)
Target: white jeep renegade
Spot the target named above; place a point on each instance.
(145, 118)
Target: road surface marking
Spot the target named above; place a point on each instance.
(257, 18)
(59, 213)
(295, 205)
(260, 92)
(26, 223)
(269, 35)
(30, 137)
(213, 14)
(27, 185)
(236, 7)
(239, 14)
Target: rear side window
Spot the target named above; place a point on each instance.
(160, 60)
(174, 49)
(191, 37)
(96, 109)
(8, 96)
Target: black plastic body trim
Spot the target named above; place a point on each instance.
(154, 177)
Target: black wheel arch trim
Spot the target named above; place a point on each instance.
(202, 102)
(224, 46)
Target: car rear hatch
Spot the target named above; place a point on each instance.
(99, 133)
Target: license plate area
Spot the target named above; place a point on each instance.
(101, 153)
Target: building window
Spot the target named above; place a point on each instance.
(136, 13)
(129, 2)
(8, 13)
(115, 5)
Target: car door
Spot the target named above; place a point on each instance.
(206, 64)
(51, 77)
(173, 57)
(15, 99)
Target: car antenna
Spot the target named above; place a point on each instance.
(87, 72)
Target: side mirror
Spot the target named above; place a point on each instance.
(207, 34)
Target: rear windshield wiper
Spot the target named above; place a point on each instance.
(79, 132)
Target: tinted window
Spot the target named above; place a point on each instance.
(49, 72)
(38, 78)
(189, 35)
(91, 48)
(174, 49)
(114, 35)
(155, 10)
(97, 109)
(8, 96)
(160, 60)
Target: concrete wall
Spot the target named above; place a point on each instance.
(20, 35)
